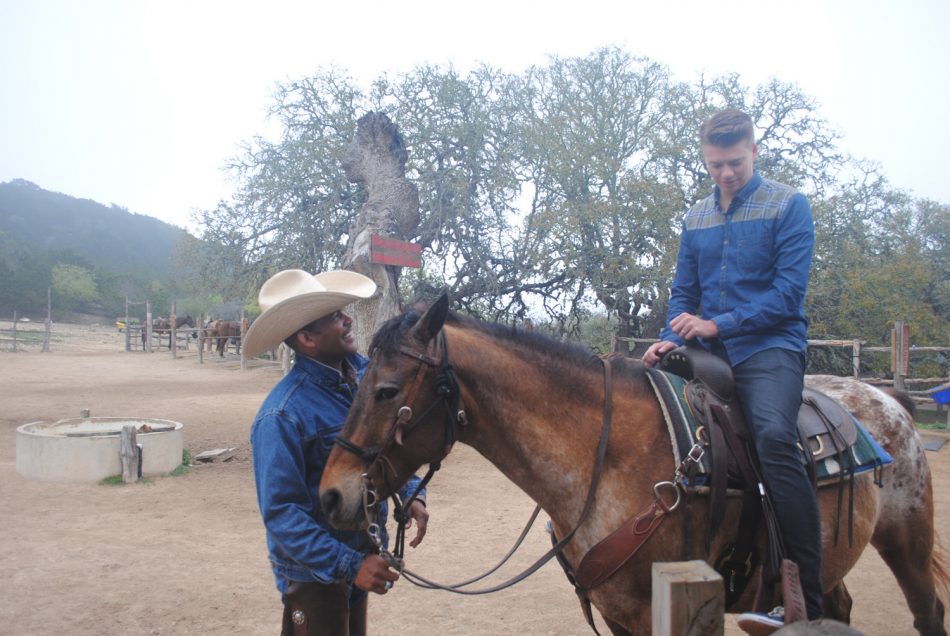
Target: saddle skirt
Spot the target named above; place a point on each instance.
(836, 442)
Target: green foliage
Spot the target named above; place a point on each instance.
(556, 195)
(73, 285)
(123, 253)
(185, 465)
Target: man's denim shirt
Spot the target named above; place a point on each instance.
(292, 437)
(746, 269)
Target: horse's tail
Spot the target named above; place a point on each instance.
(940, 569)
(903, 398)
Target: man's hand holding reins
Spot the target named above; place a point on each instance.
(375, 575)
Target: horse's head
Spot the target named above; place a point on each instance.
(405, 415)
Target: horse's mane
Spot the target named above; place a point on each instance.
(560, 353)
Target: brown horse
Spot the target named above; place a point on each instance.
(163, 325)
(534, 409)
(223, 331)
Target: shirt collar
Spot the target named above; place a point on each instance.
(323, 373)
(746, 190)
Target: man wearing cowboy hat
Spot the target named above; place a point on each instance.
(323, 574)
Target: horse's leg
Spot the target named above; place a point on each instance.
(837, 603)
(909, 552)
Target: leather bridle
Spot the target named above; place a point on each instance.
(447, 393)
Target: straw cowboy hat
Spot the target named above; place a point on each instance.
(293, 298)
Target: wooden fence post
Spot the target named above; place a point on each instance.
(900, 347)
(284, 358)
(148, 327)
(49, 317)
(856, 358)
(173, 326)
(129, 454)
(688, 599)
(241, 343)
(201, 338)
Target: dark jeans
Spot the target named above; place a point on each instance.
(769, 385)
(327, 610)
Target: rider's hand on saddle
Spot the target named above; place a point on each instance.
(687, 326)
(656, 351)
(418, 512)
(375, 575)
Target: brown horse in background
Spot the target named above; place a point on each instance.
(220, 332)
(534, 408)
(162, 325)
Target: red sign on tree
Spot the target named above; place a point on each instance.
(387, 251)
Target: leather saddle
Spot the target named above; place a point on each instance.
(827, 428)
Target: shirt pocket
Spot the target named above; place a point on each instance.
(755, 250)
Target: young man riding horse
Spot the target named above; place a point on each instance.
(744, 258)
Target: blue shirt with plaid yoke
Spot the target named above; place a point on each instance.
(746, 268)
(292, 437)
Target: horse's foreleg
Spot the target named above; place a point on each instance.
(837, 603)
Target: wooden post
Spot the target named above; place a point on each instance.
(241, 343)
(284, 358)
(201, 338)
(148, 327)
(49, 317)
(128, 341)
(14, 330)
(129, 454)
(688, 599)
(856, 358)
(899, 353)
(173, 325)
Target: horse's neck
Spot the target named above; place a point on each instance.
(539, 426)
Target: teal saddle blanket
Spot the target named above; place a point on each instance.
(863, 455)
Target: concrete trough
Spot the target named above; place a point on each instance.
(86, 450)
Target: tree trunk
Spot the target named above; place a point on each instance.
(377, 157)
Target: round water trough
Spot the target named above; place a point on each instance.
(86, 449)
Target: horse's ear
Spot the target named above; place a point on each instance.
(432, 320)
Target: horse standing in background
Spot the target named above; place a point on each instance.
(165, 324)
(221, 331)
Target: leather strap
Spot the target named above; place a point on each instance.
(613, 552)
(792, 597)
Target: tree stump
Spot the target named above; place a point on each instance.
(377, 157)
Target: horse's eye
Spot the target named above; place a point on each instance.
(386, 393)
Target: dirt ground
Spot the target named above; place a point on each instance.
(186, 554)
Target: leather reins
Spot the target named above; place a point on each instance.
(448, 391)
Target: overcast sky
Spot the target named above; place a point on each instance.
(140, 103)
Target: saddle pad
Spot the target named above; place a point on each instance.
(865, 454)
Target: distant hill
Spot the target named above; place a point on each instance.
(110, 238)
